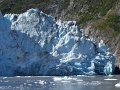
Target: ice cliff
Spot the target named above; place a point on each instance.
(34, 43)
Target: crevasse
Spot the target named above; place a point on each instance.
(33, 43)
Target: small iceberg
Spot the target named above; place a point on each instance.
(110, 79)
(117, 85)
(64, 78)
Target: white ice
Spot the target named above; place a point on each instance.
(117, 85)
(33, 43)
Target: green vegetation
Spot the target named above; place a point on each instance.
(114, 22)
(66, 4)
(84, 17)
(85, 10)
(94, 9)
(18, 6)
(108, 23)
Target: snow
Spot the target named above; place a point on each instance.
(33, 43)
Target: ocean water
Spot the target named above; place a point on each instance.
(60, 83)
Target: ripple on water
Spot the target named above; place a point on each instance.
(92, 83)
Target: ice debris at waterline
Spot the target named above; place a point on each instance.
(117, 85)
(33, 43)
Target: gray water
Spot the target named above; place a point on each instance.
(60, 83)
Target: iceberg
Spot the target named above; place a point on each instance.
(34, 43)
(117, 85)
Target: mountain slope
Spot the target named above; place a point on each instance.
(33, 43)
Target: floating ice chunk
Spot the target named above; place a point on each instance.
(5, 77)
(57, 79)
(41, 82)
(110, 79)
(117, 85)
(64, 79)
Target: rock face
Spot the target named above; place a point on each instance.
(113, 42)
(33, 43)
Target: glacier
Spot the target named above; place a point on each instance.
(34, 43)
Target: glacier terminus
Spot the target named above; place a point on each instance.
(34, 43)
